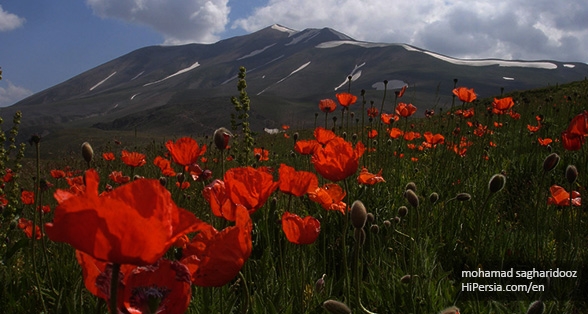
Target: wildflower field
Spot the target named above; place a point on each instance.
(472, 208)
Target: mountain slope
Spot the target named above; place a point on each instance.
(179, 89)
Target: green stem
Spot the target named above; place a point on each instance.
(34, 232)
(247, 296)
(114, 288)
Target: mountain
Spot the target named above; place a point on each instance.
(186, 90)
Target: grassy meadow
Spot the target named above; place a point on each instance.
(472, 194)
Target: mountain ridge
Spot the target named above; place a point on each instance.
(288, 72)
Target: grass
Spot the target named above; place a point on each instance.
(511, 228)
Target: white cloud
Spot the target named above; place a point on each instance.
(179, 22)
(12, 94)
(510, 29)
(9, 21)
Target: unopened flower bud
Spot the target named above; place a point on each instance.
(462, 197)
(537, 307)
(405, 279)
(87, 152)
(221, 138)
(412, 198)
(336, 307)
(319, 285)
(402, 211)
(433, 198)
(163, 181)
(370, 218)
(450, 310)
(375, 229)
(410, 186)
(550, 162)
(571, 173)
(358, 214)
(496, 183)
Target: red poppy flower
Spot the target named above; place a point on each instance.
(27, 226)
(185, 151)
(330, 197)
(295, 182)
(306, 147)
(300, 230)
(571, 142)
(216, 195)
(372, 112)
(337, 160)
(468, 113)
(544, 141)
(561, 197)
(372, 133)
(327, 105)
(118, 177)
(579, 125)
(346, 99)
(465, 94)
(500, 106)
(57, 174)
(215, 258)
(133, 159)
(133, 224)
(165, 166)
(388, 118)
(323, 136)
(434, 139)
(27, 197)
(409, 136)
(533, 128)
(401, 92)
(183, 185)
(97, 276)
(405, 110)
(395, 133)
(166, 283)
(249, 187)
(261, 154)
(285, 127)
(514, 115)
(367, 178)
(108, 156)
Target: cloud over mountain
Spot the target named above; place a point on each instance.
(9, 21)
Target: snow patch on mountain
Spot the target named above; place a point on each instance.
(256, 52)
(355, 74)
(300, 68)
(136, 76)
(337, 43)
(284, 29)
(571, 66)
(487, 62)
(306, 36)
(182, 71)
(104, 80)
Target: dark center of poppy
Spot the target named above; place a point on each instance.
(148, 299)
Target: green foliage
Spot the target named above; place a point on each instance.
(473, 222)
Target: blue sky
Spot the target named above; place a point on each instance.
(43, 43)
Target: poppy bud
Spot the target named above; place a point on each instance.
(405, 279)
(375, 229)
(319, 286)
(463, 197)
(344, 135)
(295, 136)
(354, 136)
(221, 138)
(571, 173)
(163, 181)
(397, 220)
(336, 307)
(402, 211)
(87, 152)
(375, 143)
(496, 183)
(358, 214)
(537, 307)
(359, 236)
(550, 162)
(450, 310)
(137, 177)
(433, 198)
(180, 177)
(412, 198)
(370, 218)
(410, 186)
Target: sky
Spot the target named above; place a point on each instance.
(43, 43)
